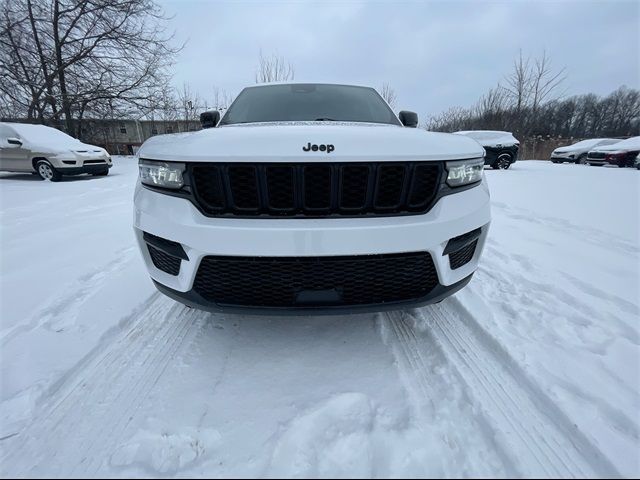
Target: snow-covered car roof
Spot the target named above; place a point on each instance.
(632, 143)
(488, 138)
(591, 142)
(43, 135)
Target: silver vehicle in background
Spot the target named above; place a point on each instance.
(48, 152)
(577, 153)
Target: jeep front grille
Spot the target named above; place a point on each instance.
(315, 281)
(315, 190)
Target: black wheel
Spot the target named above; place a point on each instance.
(503, 161)
(555, 161)
(622, 165)
(47, 172)
(581, 159)
(101, 173)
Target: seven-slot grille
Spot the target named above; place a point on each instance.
(314, 281)
(315, 190)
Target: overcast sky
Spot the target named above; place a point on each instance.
(434, 54)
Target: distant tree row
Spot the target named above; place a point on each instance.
(531, 104)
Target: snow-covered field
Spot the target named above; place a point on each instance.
(532, 370)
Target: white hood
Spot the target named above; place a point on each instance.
(284, 142)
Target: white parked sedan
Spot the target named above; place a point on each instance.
(577, 153)
(48, 152)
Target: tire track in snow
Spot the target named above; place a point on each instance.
(428, 376)
(541, 440)
(66, 305)
(81, 425)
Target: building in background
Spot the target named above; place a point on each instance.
(124, 137)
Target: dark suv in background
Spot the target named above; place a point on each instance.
(501, 148)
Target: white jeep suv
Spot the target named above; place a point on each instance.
(310, 198)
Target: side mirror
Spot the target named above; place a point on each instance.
(209, 119)
(409, 119)
(14, 142)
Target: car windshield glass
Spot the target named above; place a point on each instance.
(309, 102)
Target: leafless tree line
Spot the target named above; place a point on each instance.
(273, 68)
(63, 60)
(531, 104)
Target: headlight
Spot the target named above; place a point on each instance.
(464, 172)
(161, 174)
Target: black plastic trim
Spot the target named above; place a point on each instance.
(84, 169)
(167, 246)
(193, 299)
(461, 241)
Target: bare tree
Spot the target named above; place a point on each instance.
(221, 99)
(273, 69)
(60, 59)
(389, 94)
(518, 82)
(545, 81)
(190, 103)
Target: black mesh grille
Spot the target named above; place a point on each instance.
(389, 186)
(163, 261)
(354, 185)
(244, 187)
(423, 179)
(308, 281)
(463, 256)
(597, 155)
(317, 187)
(281, 188)
(315, 190)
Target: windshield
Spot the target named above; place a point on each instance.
(309, 102)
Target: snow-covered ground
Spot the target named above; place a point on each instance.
(532, 370)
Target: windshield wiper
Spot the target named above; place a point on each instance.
(325, 119)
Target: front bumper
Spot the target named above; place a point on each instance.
(178, 220)
(562, 158)
(91, 168)
(195, 300)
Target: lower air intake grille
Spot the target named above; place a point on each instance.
(164, 262)
(463, 256)
(315, 281)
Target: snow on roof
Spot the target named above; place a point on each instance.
(632, 143)
(43, 135)
(487, 138)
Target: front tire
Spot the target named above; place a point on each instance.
(581, 159)
(101, 173)
(503, 161)
(46, 171)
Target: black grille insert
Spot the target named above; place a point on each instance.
(316, 190)
(597, 155)
(314, 281)
(164, 261)
(463, 256)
